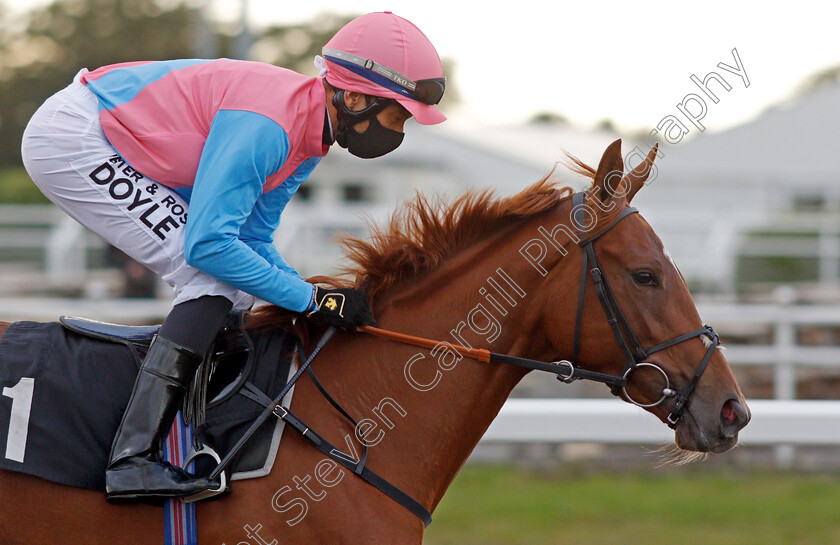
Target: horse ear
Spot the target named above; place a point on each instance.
(636, 179)
(610, 173)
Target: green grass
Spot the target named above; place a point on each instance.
(503, 506)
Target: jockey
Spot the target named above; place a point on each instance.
(186, 166)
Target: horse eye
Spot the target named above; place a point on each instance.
(645, 278)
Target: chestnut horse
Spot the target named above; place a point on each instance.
(490, 273)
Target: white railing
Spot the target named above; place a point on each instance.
(61, 241)
(782, 422)
(27, 226)
(613, 422)
(815, 236)
(125, 311)
(785, 353)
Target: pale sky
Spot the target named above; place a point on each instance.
(630, 62)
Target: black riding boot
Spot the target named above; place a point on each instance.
(135, 470)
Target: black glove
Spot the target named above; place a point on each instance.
(346, 308)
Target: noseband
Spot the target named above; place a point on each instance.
(634, 352)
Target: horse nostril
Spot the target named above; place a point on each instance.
(734, 417)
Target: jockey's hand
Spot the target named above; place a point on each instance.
(346, 308)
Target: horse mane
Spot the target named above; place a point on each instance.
(423, 233)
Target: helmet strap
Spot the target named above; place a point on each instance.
(376, 140)
(327, 138)
(349, 118)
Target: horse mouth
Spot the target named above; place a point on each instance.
(692, 435)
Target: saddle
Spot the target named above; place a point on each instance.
(224, 370)
(136, 338)
(84, 372)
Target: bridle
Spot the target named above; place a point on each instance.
(634, 352)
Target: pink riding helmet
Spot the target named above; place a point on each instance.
(384, 55)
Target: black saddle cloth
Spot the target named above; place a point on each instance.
(80, 387)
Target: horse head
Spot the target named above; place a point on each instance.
(636, 324)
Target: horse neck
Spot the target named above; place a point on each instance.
(430, 407)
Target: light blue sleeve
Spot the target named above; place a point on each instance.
(258, 230)
(242, 149)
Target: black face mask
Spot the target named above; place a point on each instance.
(376, 141)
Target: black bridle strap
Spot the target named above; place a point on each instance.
(615, 318)
(579, 198)
(705, 330)
(564, 370)
(633, 351)
(268, 410)
(639, 351)
(682, 397)
(579, 315)
(334, 453)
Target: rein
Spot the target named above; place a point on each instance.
(564, 369)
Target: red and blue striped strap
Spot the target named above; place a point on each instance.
(179, 520)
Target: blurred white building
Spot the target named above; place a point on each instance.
(777, 174)
(709, 190)
(433, 161)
